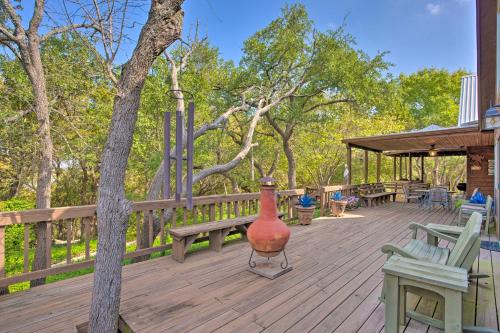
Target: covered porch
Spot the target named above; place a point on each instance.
(334, 285)
(411, 148)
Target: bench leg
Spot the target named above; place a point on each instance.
(215, 240)
(243, 231)
(453, 311)
(178, 246)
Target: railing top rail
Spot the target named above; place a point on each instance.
(72, 212)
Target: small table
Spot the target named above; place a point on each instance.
(449, 282)
(425, 194)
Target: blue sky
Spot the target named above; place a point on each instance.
(417, 33)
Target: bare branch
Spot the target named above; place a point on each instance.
(13, 16)
(64, 29)
(36, 19)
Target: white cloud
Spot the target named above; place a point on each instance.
(433, 8)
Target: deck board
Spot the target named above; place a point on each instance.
(334, 285)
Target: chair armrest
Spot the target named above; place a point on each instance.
(391, 249)
(429, 231)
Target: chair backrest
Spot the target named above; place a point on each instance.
(406, 190)
(438, 194)
(466, 248)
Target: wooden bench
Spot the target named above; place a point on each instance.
(400, 274)
(375, 194)
(183, 237)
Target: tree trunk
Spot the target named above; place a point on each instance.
(292, 166)
(162, 28)
(32, 62)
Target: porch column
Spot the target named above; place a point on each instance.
(378, 167)
(394, 172)
(422, 171)
(366, 166)
(349, 164)
(400, 167)
(410, 167)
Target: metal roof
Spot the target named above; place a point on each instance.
(468, 101)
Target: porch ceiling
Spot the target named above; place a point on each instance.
(448, 141)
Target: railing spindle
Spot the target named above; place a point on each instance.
(69, 238)
(150, 227)
(137, 230)
(86, 224)
(48, 245)
(162, 227)
(26, 250)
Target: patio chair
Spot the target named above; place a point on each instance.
(462, 255)
(438, 196)
(485, 211)
(407, 195)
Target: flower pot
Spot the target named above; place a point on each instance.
(305, 214)
(338, 207)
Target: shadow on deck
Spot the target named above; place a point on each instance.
(334, 285)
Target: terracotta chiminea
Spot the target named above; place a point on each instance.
(268, 235)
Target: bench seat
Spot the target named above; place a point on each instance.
(378, 198)
(183, 237)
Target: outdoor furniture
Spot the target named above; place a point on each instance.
(404, 274)
(468, 209)
(407, 195)
(375, 194)
(438, 196)
(462, 255)
(183, 237)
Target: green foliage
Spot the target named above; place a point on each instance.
(432, 96)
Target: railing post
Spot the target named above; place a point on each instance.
(2, 251)
(211, 212)
(322, 201)
(48, 245)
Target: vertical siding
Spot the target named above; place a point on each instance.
(468, 100)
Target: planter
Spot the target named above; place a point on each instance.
(305, 214)
(338, 207)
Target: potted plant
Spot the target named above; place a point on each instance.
(338, 204)
(352, 202)
(305, 209)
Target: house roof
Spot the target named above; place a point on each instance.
(448, 141)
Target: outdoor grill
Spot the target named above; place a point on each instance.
(462, 187)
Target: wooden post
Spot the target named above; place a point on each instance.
(349, 165)
(166, 156)
(178, 155)
(422, 170)
(400, 167)
(379, 156)
(190, 153)
(394, 172)
(366, 166)
(2, 251)
(410, 167)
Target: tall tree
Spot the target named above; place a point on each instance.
(162, 27)
(25, 43)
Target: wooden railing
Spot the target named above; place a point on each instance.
(326, 192)
(78, 220)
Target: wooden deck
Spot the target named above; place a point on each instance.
(333, 287)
